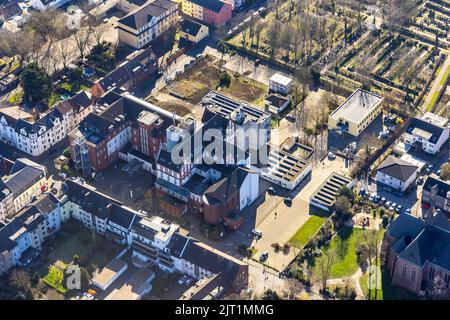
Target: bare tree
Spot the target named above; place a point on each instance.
(82, 39)
(273, 34)
(371, 240)
(64, 47)
(21, 279)
(294, 288)
(325, 263)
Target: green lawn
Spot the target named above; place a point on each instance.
(80, 244)
(444, 78)
(71, 88)
(344, 245)
(54, 99)
(54, 279)
(306, 231)
(17, 97)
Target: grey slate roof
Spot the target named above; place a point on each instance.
(443, 187)
(213, 5)
(435, 131)
(27, 219)
(23, 175)
(190, 27)
(142, 15)
(432, 245)
(397, 168)
(419, 242)
(405, 225)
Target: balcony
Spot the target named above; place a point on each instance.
(147, 249)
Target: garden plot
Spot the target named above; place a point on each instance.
(196, 82)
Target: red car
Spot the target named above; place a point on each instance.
(425, 205)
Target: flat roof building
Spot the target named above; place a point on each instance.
(355, 113)
(285, 169)
(280, 84)
(325, 196)
(135, 287)
(107, 275)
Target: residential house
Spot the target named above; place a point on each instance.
(418, 254)
(43, 5)
(396, 173)
(158, 242)
(25, 181)
(436, 191)
(22, 237)
(35, 137)
(130, 75)
(193, 31)
(426, 134)
(212, 12)
(148, 22)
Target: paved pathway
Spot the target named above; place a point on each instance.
(437, 86)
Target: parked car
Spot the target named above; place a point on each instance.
(256, 233)
(271, 191)
(377, 199)
(290, 118)
(288, 201)
(382, 200)
(372, 196)
(182, 280)
(399, 209)
(419, 181)
(387, 204)
(408, 211)
(393, 206)
(362, 191)
(429, 168)
(188, 281)
(264, 256)
(331, 156)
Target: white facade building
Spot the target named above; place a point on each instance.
(426, 134)
(36, 137)
(396, 174)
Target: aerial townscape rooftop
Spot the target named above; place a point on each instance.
(224, 150)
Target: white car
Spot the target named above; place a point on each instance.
(331, 156)
(257, 233)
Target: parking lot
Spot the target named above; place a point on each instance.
(277, 221)
(127, 188)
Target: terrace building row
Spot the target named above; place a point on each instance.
(213, 12)
(22, 237)
(20, 182)
(35, 137)
(153, 241)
